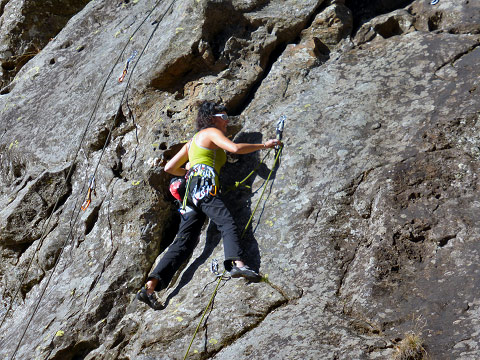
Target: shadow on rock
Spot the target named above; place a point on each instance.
(239, 203)
(212, 240)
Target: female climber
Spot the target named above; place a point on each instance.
(205, 153)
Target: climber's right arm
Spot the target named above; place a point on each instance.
(174, 165)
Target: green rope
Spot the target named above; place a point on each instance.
(263, 192)
(238, 183)
(241, 237)
(204, 313)
(184, 203)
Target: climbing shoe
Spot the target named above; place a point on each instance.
(149, 299)
(245, 272)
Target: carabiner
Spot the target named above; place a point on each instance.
(214, 267)
(279, 130)
(91, 189)
(120, 79)
(215, 188)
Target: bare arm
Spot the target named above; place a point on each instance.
(174, 165)
(219, 139)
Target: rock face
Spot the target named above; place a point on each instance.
(368, 228)
(26, 27)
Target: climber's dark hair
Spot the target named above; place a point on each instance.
(205, 111)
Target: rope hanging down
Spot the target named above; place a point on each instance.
(280, 126)
(73, 166)
(279, 134)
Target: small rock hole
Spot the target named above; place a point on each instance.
(163, 146)
(417, 239)
(444, 241)
(390, 28)
(8, 66)
(66, 44)
(91, 220)
(52, 61)
(413, 196)
(117, 169)
(80, 48)
(434, 22)
(120, 337)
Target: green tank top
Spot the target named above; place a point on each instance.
(215, 158)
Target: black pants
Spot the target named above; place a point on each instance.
(186, 239)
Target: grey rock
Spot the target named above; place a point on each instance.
(395, 23)
(366, 232)
(26, 27)
(331, 25)
(458, 17)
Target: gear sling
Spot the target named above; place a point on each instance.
(201, 200)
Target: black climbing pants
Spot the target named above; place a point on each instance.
(186, 239)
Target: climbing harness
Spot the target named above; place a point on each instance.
(280, 126)
(203, 177)
(204, 182)
(91, 189)
(125, 69)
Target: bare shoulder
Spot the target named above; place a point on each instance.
(211, 131)
(206, 137)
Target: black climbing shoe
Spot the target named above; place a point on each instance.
(245, 272)
(149, 299)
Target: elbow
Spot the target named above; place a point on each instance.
(168, 168)
(235, 149)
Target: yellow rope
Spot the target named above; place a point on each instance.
(204, 312)
(263, 191)
(238, 183)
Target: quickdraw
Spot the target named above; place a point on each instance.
(125, 70)
(214, 267)
(214, 270)
(91, 189)
(279, 128)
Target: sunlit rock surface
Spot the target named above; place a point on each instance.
(367, 231)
